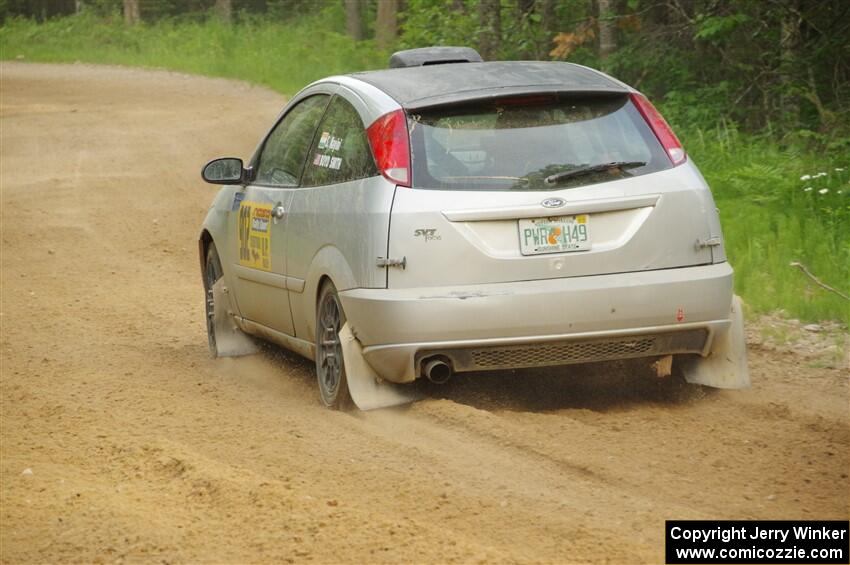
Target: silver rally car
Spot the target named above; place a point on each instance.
(449, 215)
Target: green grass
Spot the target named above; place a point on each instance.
(285, 56)
(769, 219)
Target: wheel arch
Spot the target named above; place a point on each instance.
(329, 264)
(204, 242)
(323, 280)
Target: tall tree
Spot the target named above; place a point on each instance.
(550, 25)
(353, 18)
(131, 12)
(789, 44)
(224, 9)
(490, 24)
(607, 30)
(386, 24)
(524, 8)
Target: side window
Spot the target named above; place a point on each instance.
(341, 150)
(285, 150)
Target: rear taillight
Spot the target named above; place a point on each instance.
(660, 128)
(391, 146)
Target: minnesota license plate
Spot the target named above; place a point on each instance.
(558, 234)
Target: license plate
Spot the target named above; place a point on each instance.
(558, 234)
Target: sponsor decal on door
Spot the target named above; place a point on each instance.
(255, 235)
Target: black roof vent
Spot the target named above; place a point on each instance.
(433, 56)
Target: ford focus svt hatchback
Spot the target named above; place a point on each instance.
(449, 215)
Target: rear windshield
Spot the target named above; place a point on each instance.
(532, 144)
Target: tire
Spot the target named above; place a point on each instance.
(212, 272)
(330, 367)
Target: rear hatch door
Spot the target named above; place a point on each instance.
(540, 188)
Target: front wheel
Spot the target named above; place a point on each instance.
(330, 368)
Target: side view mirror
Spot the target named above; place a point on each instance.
(227, 170)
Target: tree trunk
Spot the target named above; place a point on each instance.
(353, 20)
(386, 26)
(789, 44)
(523, 13)
(224, 9)
(524, 8)
(40, 10)
(490, 23)
(550, 25)
(131, 12)
(607, 30)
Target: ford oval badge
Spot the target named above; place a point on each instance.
(553, 202)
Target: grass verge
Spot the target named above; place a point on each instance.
(778, 206)
(285, 56)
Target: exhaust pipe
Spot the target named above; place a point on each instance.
(437, 371)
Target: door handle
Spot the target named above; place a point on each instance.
(278, 211)
(713, 241)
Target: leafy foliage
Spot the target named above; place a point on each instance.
(714, 28)
(427, 23)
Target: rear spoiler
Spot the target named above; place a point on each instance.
(479, 95)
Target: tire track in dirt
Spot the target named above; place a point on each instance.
(141, 447)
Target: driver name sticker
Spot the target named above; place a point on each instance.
(255, 235)
(237, 198)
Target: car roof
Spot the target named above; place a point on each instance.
(434, 85)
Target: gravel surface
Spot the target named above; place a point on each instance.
(121, 440)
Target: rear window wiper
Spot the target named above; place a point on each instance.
(581, 171)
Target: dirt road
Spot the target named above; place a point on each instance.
(122, 440)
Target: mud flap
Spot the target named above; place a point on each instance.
(367, 389)
(230, 341)
(726, 365)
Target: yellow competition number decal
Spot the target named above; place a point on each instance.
(255, 235)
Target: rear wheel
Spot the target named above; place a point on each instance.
(212, 272)
(330, 368)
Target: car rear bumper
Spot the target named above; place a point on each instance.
(532, 323)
